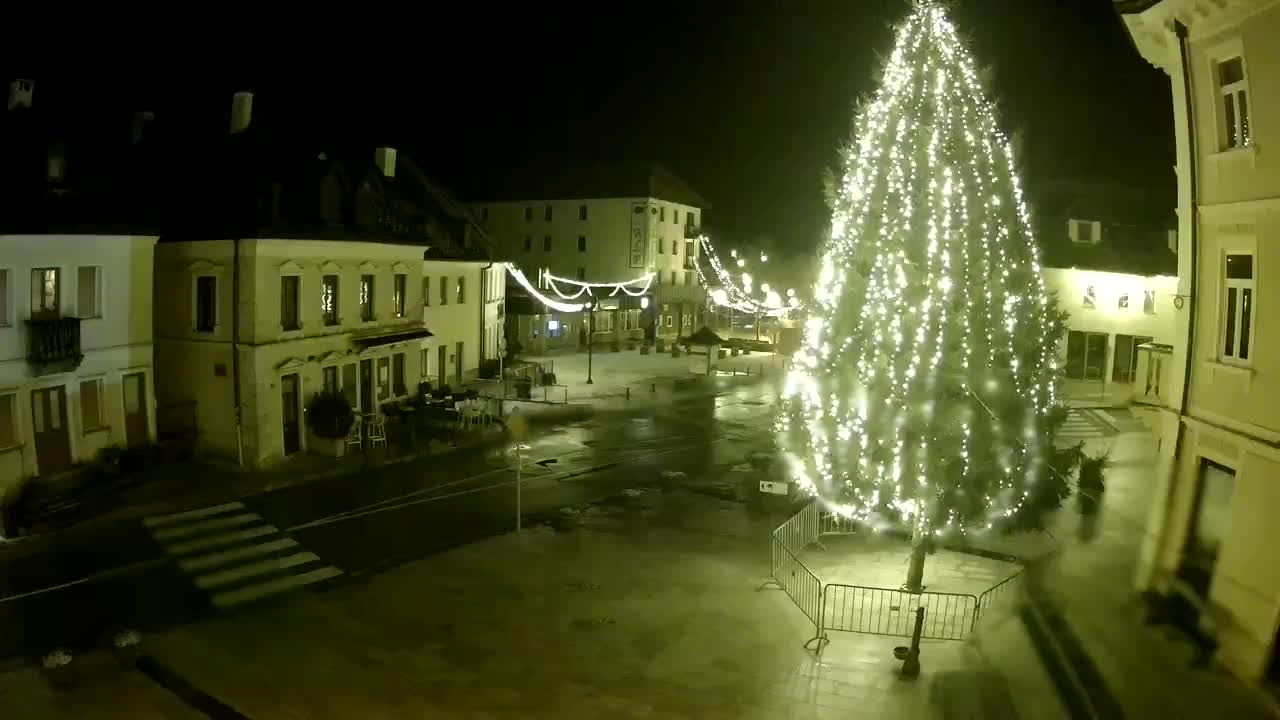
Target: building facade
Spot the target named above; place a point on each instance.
(1219, 426)
(75, 350)
(463, 310)
(604, 228)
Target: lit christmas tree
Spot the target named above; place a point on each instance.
(924, 393)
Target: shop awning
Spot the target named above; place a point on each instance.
(388, 336)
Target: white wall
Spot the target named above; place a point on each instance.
(474, 322)
(1106, 316)
(115, 342)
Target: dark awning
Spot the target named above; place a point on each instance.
(389, 336)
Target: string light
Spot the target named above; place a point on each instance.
(549, 302)
(737, 292)
(642, 284)
(929, 287)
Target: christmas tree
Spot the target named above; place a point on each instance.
(924, 392)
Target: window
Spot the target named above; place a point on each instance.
(582, 243)
(1090, 296)
(662, 214)
(1149, 302)
(1210, 523)
(1237, 318)
(673, 277)
(426, 291)
(675, 247)
(89, 291)
(444, 290)
(425, 357)
(582, 273)
(546, 243)
(668, 321)
(1084, 232)
(582, 212)
(528, 213)
(366, 298)
(8, 420)
(528, 243)
(1235, 102)
(462, 290)
(1086, 355)
(397, 375)
(329, 299)
(1123, 302)
(484, 213)
(546, 213)
(4, 298)
(45, 291)
(289, 302)
(384, 381)
(91, 414)
(691, 220)
(206, 303)
(675, 216)
(329, 377)
(350, 388)
(398, 285)
(661, 247)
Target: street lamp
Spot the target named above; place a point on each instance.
(591, 332)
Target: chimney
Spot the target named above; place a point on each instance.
(241, 111)
(386, 159)
(20, 93)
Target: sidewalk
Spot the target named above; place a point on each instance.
(647, 607)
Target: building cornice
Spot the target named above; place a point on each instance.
(1151, 24)
(1219, 211)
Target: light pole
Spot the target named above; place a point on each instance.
(591, 331)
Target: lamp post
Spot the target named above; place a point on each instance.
(591, 331)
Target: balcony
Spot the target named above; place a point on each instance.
(1151, 377)
(53, 344)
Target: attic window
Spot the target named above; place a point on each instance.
(1084, 232)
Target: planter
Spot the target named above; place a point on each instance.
(722, 353)
(675, 351)
(644, 349)
(58, 669)
(659, 345)
(125, 647)
(329, 447)
(615, 346)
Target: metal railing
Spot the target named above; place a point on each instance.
(860, 609)
(880, 611)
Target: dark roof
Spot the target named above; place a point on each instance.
(587, 181)
(704, 336)
(1135, 227)
(1130, 7)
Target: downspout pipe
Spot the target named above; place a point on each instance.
(235, 346)
(1184, 403)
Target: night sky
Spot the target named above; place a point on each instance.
(746, 101)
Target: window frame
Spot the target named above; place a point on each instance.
(582, 243)
(296, 279)
(333, 317)
(101, 424)
(426, 291)
(1237, 325)
(1217, 57)
(15, 421)
(57, 309)
(98, 293)
(195, 302)
(399, 294)
(528, 243)
(460, 290)
(368, 302)
(546, 213)
(1149, 302)
(444, 290)
(546, 243)
(6, 296)
(582, 212)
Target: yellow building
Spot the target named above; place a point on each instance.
(1210, 537)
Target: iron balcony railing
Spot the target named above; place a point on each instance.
(54, 341)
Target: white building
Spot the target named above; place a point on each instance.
(1210, 538)
(75, 350)
(309, 315)
(463, 310)
(609, 226)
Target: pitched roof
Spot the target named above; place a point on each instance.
(704, 336)
(586, 181)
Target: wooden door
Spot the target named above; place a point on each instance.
(135, 409)
(290, 413)
(49, 428)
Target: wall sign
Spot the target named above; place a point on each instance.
(639, 235)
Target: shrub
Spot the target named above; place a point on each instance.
(329, 415)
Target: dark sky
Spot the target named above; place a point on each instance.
(747, 101)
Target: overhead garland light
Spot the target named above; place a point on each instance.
(632, 288)
(737, 293)
(549, 302)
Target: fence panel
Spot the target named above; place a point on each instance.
(1000, 595)
(879, 611)
(833, 524)
(798, 582)
(796, 534)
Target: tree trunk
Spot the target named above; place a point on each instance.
(915, 572)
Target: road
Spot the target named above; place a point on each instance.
(74, 588)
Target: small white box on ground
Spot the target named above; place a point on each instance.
(775, 488)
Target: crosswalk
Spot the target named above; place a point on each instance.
(1082, 424)
(234, 555)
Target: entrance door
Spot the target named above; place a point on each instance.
(442, 362)
(49, 426)
(366, 386)
(290, 413)
(457, 364)
(135, 410)
(1211, 517)
(1126, 357)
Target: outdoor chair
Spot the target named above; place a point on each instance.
(354, 435)
(378, 431)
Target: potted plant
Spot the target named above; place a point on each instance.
(57, 667)
(329, 418)
(1091, 483)
(125, 645)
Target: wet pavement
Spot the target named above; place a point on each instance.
(74, 588)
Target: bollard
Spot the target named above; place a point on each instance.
(910, 656)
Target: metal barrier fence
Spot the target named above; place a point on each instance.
(858, 609)
(879, 611)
